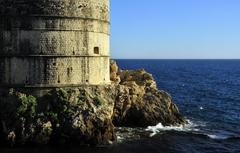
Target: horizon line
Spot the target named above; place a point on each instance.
(176, 58)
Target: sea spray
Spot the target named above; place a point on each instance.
(190, 126)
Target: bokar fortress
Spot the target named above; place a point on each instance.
(55, 43)
(57, 83)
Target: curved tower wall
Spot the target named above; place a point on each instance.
(54, 43)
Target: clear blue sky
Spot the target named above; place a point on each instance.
(175, 29)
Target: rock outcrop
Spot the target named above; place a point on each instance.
(88, 114)
(139, 103)
(64, 116)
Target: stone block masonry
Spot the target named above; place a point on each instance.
(54, 43)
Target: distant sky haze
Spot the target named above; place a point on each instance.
(175, 29)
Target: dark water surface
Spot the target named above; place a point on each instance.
(207, 93)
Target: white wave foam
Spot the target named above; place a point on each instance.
(193, 128)
(159, 127)
(223, 135)
(120, 138)
(126, 133)
(217, 137)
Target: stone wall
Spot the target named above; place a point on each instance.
(54, 43)
(88, 9)
(40, 36)
(53, 71)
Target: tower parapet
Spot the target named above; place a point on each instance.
(54, 43)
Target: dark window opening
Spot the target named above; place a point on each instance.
(59, 80)
(96, 50)
(87, 81)
(54, 64)
(69, 71)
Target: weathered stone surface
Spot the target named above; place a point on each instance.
(61, 8)
(54, 43)
(53, 71)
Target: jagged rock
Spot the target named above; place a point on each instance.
(80, 115)
(139, 103)
(87, 114)
(114, 75)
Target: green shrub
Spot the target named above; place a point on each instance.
(82, 98)
(26, 106)
(99, 101)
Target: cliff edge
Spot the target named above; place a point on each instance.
(87, 114)
(139, 103)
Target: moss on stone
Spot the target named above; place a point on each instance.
(99, 101)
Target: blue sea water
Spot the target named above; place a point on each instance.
(207, 92)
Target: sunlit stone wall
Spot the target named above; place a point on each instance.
(54, 43)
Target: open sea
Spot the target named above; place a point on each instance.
(207, 92)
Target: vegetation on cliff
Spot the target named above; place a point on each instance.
(62, 116)
(87, 114)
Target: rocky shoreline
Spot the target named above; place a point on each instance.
(88, 114)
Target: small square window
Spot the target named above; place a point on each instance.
(96, 50)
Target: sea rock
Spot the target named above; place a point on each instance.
(87, 114)
(139, 103)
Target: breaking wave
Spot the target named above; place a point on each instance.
(193, 129)
(190, 126)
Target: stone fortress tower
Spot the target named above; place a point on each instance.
(54, 43)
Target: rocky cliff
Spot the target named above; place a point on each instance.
(88, 114)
